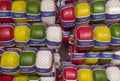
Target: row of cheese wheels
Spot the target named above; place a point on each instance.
(19, 78)
(46, 11)
(73, 73)
(90, 73)
(31, 60)
(84, 37)
(20, 34)
(94, 57)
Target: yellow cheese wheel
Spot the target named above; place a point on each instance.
(91, 60)
(21, 34)
(102, 34)
(19, 7)
(10, 60)
(21, 78)
(82, 10)
(84, 75)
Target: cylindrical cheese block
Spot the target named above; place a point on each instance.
(112, 10)
(83, 37)
(7, 35)
(99, 73)
(10, 61)
(84, 73)
(54, 36)
(48, 11)
(116, 57)
(22, 35)
(33, 11)
(44, 61)
(115, 34)
(92, 57)
(69, 72)
(82, 12)
(98, 10)
(102, 36)
(112, 73)
(105, 57)
(27, 60)
(38, 34)
(21, 78)
(5, 12)
(19, 11)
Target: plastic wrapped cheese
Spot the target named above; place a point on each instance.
(54, 36)
(48, 11)
(19, 12)
(116, 57)
(44, 61)
(22, 35)
(10, 61)
(112, 73)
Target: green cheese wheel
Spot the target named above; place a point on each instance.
(33, 77)
(104, 61)
(27, 58)
(98, 7)
(115, 31)
(99, 75)
(33, 7)
(38, 31)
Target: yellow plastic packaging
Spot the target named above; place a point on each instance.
(21, 34)
(84, 75)
(21, 78)
(10, 60)
(82, 10)
(102, 33)
(19, 7)
(92, 60)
